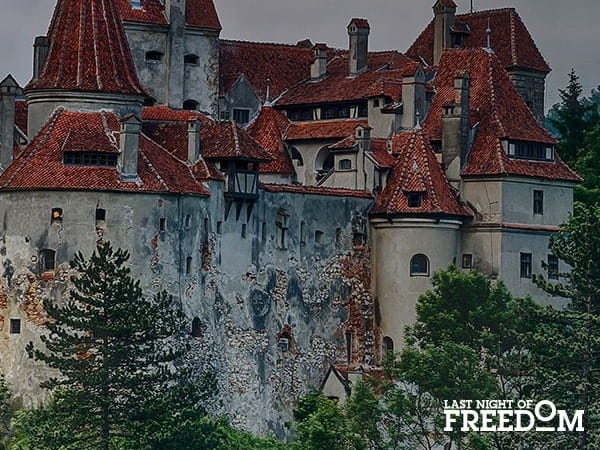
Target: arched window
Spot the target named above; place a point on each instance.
(191, 59)
(419, 266)
(190, 105)
(388, 345)
(47, 260)
(196, 328)
(154, 56)
(296, 157)
(324, 162)
(345, 164)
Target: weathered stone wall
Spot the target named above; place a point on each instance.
(249, 292)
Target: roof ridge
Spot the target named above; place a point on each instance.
(236, 139)
(488, 11)
(513, 37)
(271, 44)
(153, 169)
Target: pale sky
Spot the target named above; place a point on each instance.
(566, 32)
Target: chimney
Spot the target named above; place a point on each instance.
(8, 89)
(444, 12)
(413, 97)
(318, 68)
(40, 51)
(194, 141)
(130, 147)
(362, 135)
(456, 129)
(358, 58)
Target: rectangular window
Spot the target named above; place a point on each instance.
(467, 261)
(241, 116)
(302, 233)
(90, 159)
(552, 267)
(264, 232)
(188, 265)
(538, 202)
(415, 199)
(526, 261)
(162, 224)
(244, 231)
(15, 326)
(338, 236)
(530, 150)
(224, 115)
(219, 227)
(319, 237)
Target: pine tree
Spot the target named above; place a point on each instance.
(569, 343)
(572, 118)
(115, 353)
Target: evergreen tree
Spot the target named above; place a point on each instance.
(572, 118)
(118, 357)
(588, 167)
(569, 343)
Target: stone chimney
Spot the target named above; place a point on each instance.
(358, 57)
(129, 141)
(456, 129)
(362, 135)
(40, 51)
(413, 97)
(318, 68)
(194, 141)
(444, 12)
(8, 90)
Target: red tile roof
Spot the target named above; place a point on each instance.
(41, 166)
(21, 115)
(360, 23)
(417, 170)
(198, 13)
(502, 114)
(166, 114)
(202, 14)
(152, 12)
(322, 129)
(268, 130)
(227, 140)
(510, 39)
(315, 190)
(280, 65)
(88, 50)
(384, 75)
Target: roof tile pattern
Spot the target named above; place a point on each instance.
(268, 130)
(88, 50)
(322, 129)
(315, 190)
(510, 39)
(384, 76)
(202, 14)
(152, 12)
(502, 114)
(41, 166)
(417, 170)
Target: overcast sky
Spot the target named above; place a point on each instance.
(567, 32)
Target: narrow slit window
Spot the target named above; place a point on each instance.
(538, 202)
(219, 228)
(162, 224)
(244, 231)
(188, 221)
(264, 232)
(302, 233)
(188, 265)
(196, 328)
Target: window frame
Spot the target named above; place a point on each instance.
(244, 111)
(414, 199)
(538, 202)
(420, 273)
(553, 267)
(526, 265)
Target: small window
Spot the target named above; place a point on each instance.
(191, 60)
(206, 225)
(553, 269)
(419, 266)
(241, 116)
(345, 164)
(264, 232)
(376, 103)
(196, 328)
(162, 224)
(244, 231)
(538, 202)
(283, 224)
(47, 261)
(302, 233)
(467, 261)
(188, 265)
(319, 237)
(284, 344)
(219, 228)
(338, 236)
(415, 199)
(100, 215)
(388, 345)
(57, 215)
(188, 221)
(526, 261)
(154, 56)
(15, 326)
(191, 105)
(349, 342)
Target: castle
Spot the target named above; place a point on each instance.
(294, 199)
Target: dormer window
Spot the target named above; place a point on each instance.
(154, 56)
(191, 105)
(530, 150)
(415, 199)
(191, 60)
(90, 159)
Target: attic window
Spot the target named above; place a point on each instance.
(345, 164)
(530, 150)
(90, 159)
(57, 216)
(191, 105)
(191, 60)
(241, 116)
(415, 199)
(154, 56)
